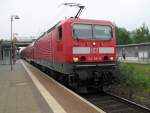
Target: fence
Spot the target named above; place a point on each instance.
(138, 53)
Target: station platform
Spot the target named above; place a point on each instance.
(18, 94)
(28, 90)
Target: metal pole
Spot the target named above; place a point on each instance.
(11, 42)
(11, 45)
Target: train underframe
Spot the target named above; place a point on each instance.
(86, 78)
(83, 78)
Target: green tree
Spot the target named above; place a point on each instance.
(142, 34)
(123, 36)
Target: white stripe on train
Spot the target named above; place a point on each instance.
(87, 50)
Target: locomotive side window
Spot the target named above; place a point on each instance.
(60, 33)
(102, 32)
(82, 31)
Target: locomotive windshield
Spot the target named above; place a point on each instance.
(92, 31)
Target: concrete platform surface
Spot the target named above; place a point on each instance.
(64, 100)
(18, 94)
(28, 90)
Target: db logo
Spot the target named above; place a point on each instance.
(94, 50)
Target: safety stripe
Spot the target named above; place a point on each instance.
(53, 104)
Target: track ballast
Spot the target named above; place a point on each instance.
(113, 104)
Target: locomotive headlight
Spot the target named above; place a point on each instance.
(94, 43)
(75, 59)
(111, 58)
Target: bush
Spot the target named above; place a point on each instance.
(132, 76)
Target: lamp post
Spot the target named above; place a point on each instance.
(11, 42)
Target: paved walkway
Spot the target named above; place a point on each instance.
(17, 92)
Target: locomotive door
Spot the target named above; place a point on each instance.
(52, 49)
(59, 44)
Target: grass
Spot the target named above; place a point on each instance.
(135, 76)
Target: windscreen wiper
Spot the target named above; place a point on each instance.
(74, 33)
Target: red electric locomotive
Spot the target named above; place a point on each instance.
(82, 50)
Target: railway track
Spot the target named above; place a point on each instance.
(114, 104)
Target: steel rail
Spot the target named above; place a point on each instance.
(114, 104)
(129, 102)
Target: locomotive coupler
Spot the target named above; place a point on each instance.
(72, 81)
(96, 77)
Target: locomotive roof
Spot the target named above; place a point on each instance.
(72, 19)
(86, 21)
(49, 30)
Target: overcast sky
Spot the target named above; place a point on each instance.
(36, 16)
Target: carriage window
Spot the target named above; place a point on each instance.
(60, 33)
(102, 32)
(82, 31)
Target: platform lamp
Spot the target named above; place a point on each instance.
(11, 45)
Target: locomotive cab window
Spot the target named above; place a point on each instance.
(92, 31)
(102, 32)
(82, 31)
(60, 33)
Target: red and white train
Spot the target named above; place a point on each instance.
(82, 51)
